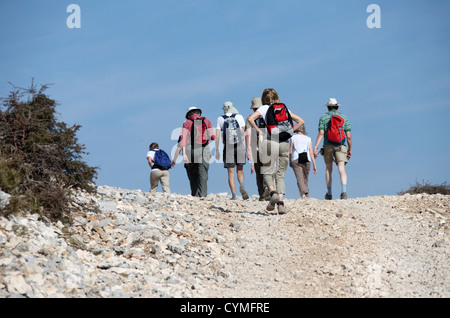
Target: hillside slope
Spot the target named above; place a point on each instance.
(158, 245)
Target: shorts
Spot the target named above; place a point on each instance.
(233, 156)
(335, 153)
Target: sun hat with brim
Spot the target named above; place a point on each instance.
(190, 109)
(332, 102)
(256, 103)
(229, 108)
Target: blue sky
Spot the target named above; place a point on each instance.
(128, 75)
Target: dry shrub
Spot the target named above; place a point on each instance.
(426, 187)
(40, 157)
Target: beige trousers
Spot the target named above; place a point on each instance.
(274, 160)
(157, 176)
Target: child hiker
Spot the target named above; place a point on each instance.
(301, 155)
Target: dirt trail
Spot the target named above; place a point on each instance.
(392, 246)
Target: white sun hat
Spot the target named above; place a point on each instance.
(191, 109)
(332, 102)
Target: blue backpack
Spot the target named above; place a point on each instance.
(162, 160)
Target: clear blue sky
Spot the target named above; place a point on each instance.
(131, 71)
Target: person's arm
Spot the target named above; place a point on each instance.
(349, 143)
(291, 148)
(251, 121)
(318, 141)
(210, 129)
(311, 154)
(298, 120)
(218, 131)
(175, 157)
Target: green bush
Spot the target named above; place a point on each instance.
(40, 158)
(428, 188)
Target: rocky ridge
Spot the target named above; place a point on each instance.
(158, 245)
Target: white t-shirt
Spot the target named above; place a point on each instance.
(151, 154)
(263, 111)
(301, 144)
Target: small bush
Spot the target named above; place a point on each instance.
(428, 188)
(41, 160)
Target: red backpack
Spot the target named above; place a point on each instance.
(199, 132)
(279, 122)
(335, 132)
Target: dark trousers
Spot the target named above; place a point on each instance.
(198, 170)
(259, 177)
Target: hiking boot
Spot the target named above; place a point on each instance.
(281, 208)
(274, 197)
(270, 207)
(328, 197)
(243, 192)
(344, 196)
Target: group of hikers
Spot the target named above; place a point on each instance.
(270, 141)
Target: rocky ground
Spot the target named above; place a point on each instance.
(157, 245)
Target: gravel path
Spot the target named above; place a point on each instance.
(368, 247)
(156, 245)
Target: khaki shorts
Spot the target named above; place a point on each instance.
(335, 153)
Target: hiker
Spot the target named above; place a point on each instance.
(232, 127)
(196, 133)
(337, 145)
(253, 150)
(275, 144)
(301, 155)
(160, 164)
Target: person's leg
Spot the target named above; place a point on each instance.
(267, 164)
(259, 180)
(154, 178)
(341, 161)
(240, 176)
(328, 157)
(165, 177)
(298, 173)
(343, 174)
(282, 164)
(269, 155)
(231, 182)
(306, 169)
(329, 179)
(203, 169)
(192, 170)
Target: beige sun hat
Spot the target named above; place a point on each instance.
(332, 102)
(191, 109)
(229, 108)
(256, 103)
